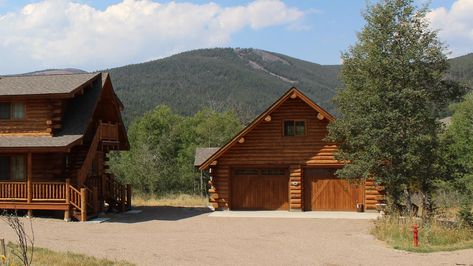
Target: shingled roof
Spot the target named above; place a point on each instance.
(202, 154)
(75, 121)
(43, 84)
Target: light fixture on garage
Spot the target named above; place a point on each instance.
(267, 118)
(320, 116)
(241, 140)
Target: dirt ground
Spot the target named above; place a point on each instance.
(183, 236)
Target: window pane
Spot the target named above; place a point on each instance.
(300, 128)
(273, 171)
(18, 167)
(18, 111)
(289, 128)
(4, 168)
(246, 171)
(4, 110)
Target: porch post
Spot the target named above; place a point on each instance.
(67, 213)
(83, 205)
(29, 177)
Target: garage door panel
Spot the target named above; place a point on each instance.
(264, 192)
(325, 191)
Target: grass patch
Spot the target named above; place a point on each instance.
(433, 235)
(174, 200)
(48, 257)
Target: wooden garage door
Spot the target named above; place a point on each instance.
(326, 192)
(260, 189)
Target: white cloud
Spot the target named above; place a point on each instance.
(63, 33)
(455, 26)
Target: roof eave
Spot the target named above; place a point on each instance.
(259, 118)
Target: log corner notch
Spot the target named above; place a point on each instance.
(293, 96)
(267, 118)
(320, 116)
(241, 140)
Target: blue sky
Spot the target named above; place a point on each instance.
(87, 34)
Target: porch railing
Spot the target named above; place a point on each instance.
(49, 191)
(14, 191)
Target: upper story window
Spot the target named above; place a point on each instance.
(294, 128)
(12, 111)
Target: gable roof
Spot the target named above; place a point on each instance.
(202, 154)
(76, 119)
(65, 85)
(292, 92)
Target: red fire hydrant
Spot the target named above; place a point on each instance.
(416, 235)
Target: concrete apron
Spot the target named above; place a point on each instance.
(298, 215)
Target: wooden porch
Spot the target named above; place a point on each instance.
(62, 196)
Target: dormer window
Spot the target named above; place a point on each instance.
(294, 128)
(12, 111)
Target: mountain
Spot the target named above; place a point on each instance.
(247, 80)
(461, 68)
(56, 71)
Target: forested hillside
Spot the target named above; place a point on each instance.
(245, 80)
(461, 68)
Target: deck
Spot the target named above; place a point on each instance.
(63, 196)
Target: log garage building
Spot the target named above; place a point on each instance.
(55, 133)
(280, 161)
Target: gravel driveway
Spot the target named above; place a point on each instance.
(182, 236)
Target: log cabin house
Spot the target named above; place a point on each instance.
(280, 161)
(55, 133)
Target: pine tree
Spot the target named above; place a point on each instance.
(393, 94)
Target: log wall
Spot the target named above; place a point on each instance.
(48, 166)
(266, 145)
(41, 118)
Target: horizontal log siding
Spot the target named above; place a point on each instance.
(295, 188)
(48, 166)
(373, 195)
(266, 145)
(37, 115)
(219, 194)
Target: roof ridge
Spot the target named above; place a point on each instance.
(288, 94)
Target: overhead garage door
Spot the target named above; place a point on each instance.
(326, 192)
(260, 189)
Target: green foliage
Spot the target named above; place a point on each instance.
(394, 92)
(434, 235)
(458, 148)
(221, 78)
(163, 144)
(466, 215)
(228, 78)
